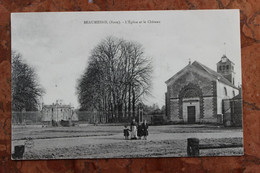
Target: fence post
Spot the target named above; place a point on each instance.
(18, 152)
(193, 147)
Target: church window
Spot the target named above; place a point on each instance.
(225, 91)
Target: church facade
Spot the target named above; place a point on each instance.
(195, 94)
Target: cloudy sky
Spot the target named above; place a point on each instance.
(58, 45)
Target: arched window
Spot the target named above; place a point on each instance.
(225, 91)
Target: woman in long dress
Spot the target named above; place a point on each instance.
(145, 129)
(133, 130)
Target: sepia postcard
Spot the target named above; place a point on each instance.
(128, 84)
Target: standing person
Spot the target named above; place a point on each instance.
(133, 130)
(139, 131)
(126, 132)
(145, 129)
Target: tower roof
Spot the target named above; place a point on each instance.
(225, 59)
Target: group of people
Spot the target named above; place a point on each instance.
(136, 131)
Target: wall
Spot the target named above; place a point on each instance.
(221, 94)
(209, 115)
(174, 110)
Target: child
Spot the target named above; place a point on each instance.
(126, 132)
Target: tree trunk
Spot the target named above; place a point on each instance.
(133, 102)
(129, 102)
(120, 111)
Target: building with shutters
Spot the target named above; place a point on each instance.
(57, 112)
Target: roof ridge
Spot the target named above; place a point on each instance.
(203, 66)
(216, 74)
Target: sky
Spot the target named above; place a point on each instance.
(58, 44)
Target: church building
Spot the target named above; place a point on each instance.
(196, 93)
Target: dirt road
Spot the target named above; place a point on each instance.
(108, 141)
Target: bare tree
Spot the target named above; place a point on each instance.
(26, 90)
(117, 77)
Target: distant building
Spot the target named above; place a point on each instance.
(57, 112)
(196, 93)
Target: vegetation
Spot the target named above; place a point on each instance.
(117, 78)
(26, 90)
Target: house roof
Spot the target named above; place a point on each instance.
(239, 96)
(205, 69)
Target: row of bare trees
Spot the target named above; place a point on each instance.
(26, 90)
(117, 78)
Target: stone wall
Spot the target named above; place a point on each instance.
(209, 115)
(174, 111)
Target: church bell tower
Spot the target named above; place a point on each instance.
(226, 68)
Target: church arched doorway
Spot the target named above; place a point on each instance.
(191, 104)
